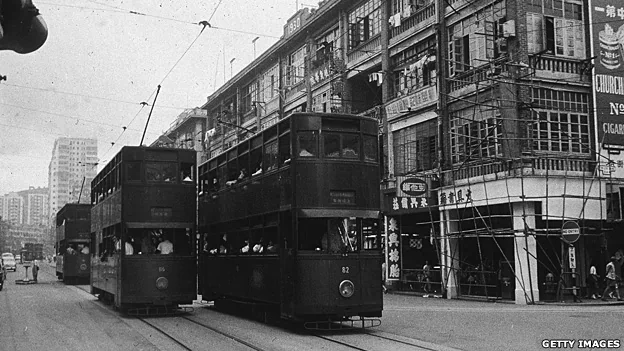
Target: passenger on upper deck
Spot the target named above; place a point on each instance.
(242, 175)
(258, 170)
(85, 249)
(305, 153)
(245, 248)
(258, 248)
(165, 247)
(271, 248)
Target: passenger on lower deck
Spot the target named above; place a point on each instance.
(165, 247)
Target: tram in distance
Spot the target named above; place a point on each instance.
(142, 230)
(73, 241)
(289, 221)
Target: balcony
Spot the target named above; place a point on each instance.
(367, 50)
(527, 166)
(552, 67)
(419, 20)
(483, 74)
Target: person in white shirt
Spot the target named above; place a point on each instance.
(165, 247)
(129, 248)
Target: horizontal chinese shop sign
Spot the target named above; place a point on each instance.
(412, 101)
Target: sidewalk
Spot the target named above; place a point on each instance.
(570, 302)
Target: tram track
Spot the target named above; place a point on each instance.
(167, 335)
(355, 341)
(170, 334)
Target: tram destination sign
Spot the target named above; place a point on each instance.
(570, 232)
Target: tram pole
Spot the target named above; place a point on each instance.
(150, 115)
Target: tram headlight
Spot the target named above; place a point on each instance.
(162, 283)
(346, 288)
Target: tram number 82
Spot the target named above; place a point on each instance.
(345, 270)
(161, 269)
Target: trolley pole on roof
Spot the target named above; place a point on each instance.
(150, 115)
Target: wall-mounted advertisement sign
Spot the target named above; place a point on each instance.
(393, 250)
(607, 18)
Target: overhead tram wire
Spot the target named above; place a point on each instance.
(207, 24)
(88, 96)
(136, 13)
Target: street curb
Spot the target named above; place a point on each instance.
(586, 302)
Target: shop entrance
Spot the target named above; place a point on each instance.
(420, 255)
(487, 267)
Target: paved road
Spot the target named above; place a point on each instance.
(52, 316)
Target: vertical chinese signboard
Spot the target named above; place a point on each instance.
(607, 34)
(393, 252)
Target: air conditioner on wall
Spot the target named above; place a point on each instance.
(509, 29)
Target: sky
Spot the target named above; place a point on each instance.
(102, 59)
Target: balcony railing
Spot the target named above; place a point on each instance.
(420, 19)
(559, 67)
(538, 166)
(368, 49)
(482, 74)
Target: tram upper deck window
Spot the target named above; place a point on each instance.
(307, 144)
(133, 171)
(269, 161)
(370, 148)
(160, 172)
(187, 171)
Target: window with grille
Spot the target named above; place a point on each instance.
(475, 135)
(295, 70)
(556, 26)
(415, 148)
(475, 40)
(364, 23)
(560, 121)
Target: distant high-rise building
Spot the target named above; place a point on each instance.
(71, 170)
(36, 206)
(12, 208)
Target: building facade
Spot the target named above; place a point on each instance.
(72, 167)
(502, 175)
(12, 208)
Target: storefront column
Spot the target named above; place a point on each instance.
(450, 255)
(525, 256)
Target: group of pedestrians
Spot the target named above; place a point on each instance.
(612, 280)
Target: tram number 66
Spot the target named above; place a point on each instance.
(161, 269)
(345, 270)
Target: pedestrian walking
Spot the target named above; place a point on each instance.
(35, 270)
(593, 278)
(612, 283)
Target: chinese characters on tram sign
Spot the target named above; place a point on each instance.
(393, 253)
(342, 197)
(607, 18)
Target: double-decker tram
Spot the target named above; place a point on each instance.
(73, 243)
(289, 222)
(142, 227)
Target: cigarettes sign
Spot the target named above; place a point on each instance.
(607, 18)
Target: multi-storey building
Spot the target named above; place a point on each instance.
(186, 132)
(36, 205)
(72, 167)
(12, 208)
(501, 145)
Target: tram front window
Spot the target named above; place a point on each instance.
(160, 172)
(333, 235)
